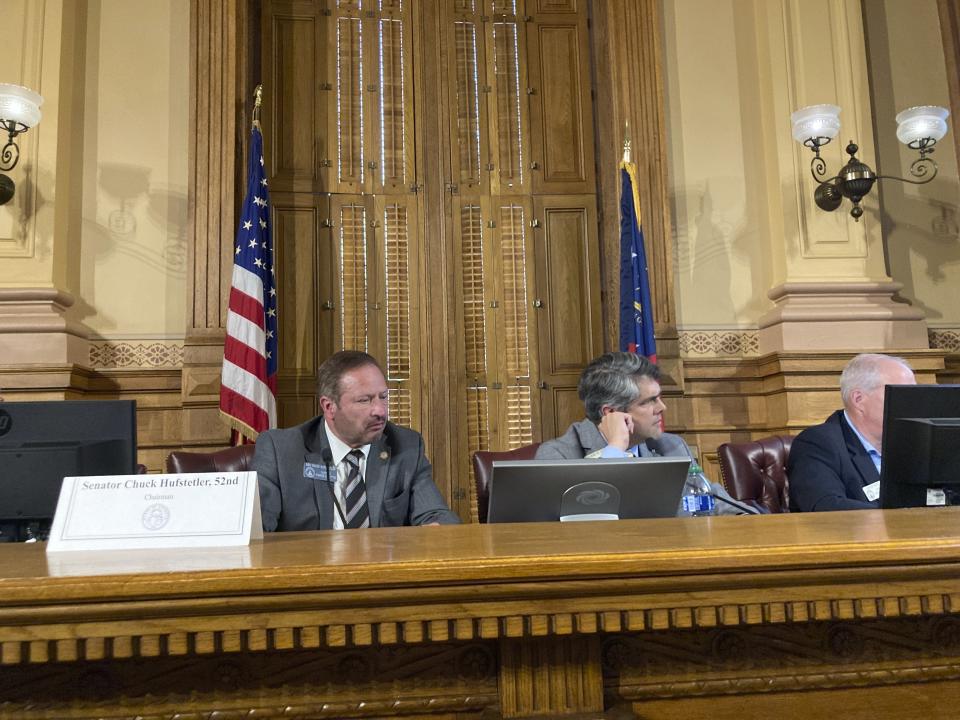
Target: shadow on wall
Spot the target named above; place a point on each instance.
(146, 224)
(129, 188)
(27, 206)
(926, 229)
(711, 245)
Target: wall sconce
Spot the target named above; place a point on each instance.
(919, 128)
(19, 111)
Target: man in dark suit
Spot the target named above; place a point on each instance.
(349, 467)
(836, 465)
(621, 396)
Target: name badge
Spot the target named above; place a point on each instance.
(315, 471)
(122, 512)
(872, 491)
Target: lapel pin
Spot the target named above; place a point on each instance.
(384, 455)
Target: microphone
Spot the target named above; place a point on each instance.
(328, 461)
(739, 506)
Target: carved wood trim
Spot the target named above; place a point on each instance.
(60, 634)
(764, 659)
(341, 683)
(215, 97)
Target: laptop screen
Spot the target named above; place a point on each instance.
(548, 490)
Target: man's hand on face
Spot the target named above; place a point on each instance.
(617, 427)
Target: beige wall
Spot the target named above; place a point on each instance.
(135, 167)
(741, 192)
(723, 265)
(920, 223)
(101, 207)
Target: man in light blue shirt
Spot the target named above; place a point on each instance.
(621, 396)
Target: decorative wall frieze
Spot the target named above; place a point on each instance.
(734, 342)
(738, 342)
(945, 339)
(135, 354)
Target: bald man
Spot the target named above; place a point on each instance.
(836, 465)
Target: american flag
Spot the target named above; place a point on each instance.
(248, 385)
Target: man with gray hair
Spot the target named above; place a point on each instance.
(836, 465)
(621, 396)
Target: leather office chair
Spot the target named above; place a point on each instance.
(230, 460)
(483, 467)
(757, 471)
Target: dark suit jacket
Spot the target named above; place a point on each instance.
(399, 479)
(828, 468)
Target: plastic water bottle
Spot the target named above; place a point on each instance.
(697, 498)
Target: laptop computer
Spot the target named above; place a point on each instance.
(607, 489)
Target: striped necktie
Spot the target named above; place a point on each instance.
(355, 493)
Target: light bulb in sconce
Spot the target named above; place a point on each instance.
(19, 111)
(817, 122)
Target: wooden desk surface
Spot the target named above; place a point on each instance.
(398, 557)
(515, 620)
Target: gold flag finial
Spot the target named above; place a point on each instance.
(257, 102)
(626, 141)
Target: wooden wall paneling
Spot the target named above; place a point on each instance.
(628, 79)
(398, 305)
(393, 148)
(221, 99)
(305, 265)
(561, 406)
(561, 110)
(395, 220)
(349, 217)
(296, 101)
(442, 402)
(350, 100)
(467, 90)
(506, 71)
(512, 359)
(464, 114)
(473, 315)
(567, 293)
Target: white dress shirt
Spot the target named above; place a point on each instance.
(339, 450)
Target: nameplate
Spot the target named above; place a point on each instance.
(123, 512)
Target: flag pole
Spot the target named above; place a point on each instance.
(626, 141)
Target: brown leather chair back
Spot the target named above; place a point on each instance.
(483, 466)
(230, 460)
(757, 471)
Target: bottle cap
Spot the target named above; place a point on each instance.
(694, 467)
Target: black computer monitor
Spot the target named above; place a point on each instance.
(545, 490)
(921, 445)
(43, 442)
